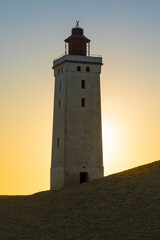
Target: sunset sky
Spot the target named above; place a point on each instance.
(32, 32)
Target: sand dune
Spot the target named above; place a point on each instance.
(123, 206)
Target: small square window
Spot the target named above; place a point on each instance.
(83, 84)
(78, 68)
(83, 102)
(87, 69)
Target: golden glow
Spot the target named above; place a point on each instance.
(130, 124)
(112, 140)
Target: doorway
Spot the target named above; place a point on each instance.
(83, 177)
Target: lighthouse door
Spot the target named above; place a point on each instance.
(83, 177)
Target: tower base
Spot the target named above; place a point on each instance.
(69, 176)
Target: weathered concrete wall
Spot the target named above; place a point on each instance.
(77, 134)
(57, 177)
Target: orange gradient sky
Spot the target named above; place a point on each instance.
(126, 33)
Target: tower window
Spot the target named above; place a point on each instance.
(83, 84)
(78, 68)
(58, 71)
(61, 69)
(59, 103)
(87, 69)
(60, 86)
(83, 102)
(58, 142)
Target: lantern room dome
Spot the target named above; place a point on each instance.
(77, 42)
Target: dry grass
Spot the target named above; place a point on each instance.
(124, 206)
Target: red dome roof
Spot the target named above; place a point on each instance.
(77, 33)
(77, 42)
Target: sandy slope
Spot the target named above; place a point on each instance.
(122, 206)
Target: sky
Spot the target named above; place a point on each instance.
(126, 33)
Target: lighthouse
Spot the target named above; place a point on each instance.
(77, 132)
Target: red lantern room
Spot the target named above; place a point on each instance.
(77, 43)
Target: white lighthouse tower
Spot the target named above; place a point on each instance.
(77, 133)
